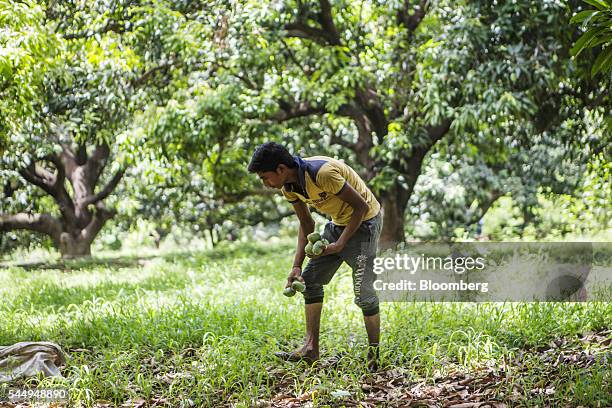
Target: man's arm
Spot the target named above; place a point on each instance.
(360, 209)
(307, 225)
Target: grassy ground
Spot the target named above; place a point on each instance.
(200, 329)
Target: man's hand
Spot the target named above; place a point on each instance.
(296, 274)
(332, 248)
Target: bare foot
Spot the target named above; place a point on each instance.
(304, 354)
(373, 357)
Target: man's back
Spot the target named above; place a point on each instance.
(320, 178)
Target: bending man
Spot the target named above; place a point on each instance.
(334, 189)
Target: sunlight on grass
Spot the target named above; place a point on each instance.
(204, 326)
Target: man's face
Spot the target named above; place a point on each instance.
(274, 179)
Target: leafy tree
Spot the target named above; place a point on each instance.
(392, 82)
(29, 49)
(597, 24)
(62, 153)
(398, 88)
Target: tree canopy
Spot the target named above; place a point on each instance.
(494, 99)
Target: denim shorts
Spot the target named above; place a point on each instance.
(359, 254)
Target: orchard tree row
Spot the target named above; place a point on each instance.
(163, 102)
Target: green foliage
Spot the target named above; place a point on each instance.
(29, 50)
(586, 212)
(504, 221)
(182, 92)
(108, 61)
(597, 26)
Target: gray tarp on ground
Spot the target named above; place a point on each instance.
(27, 359)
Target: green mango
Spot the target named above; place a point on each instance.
(308, 248)
(318, 248)
(289, 292)
(313, 237)
(298, 286)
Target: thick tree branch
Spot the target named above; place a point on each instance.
(65, 164)
(370, 103)
(68, 160)
(45, 174)
(291, 111)
(61, 171)
(437, 132)
(110, 26)
(411, 166)
(52, 185)
(43, 223)
(97, 222)
(327, 22)
(81, 154)
(34, 174)
(100, 153)
(411, 22)
(96, 162)
(106, 191)
(303, 30)
(327, 35)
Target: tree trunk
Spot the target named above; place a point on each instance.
(71, 248)
(395, 200)
(369, 115)
(82, 214)
(394, 203)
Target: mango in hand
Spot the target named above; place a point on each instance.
(298, 286)
(289, 292)
(318, 248)
(313, 237)
(308, 249)
(316, 244)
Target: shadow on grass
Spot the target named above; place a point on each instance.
(233, 250)
(82, 263)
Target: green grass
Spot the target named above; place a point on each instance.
(201, 328)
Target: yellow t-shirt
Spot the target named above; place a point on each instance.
(320, 178)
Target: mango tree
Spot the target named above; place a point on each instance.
(388, 82)
(68, 94)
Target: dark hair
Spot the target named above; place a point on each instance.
(268, 156)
